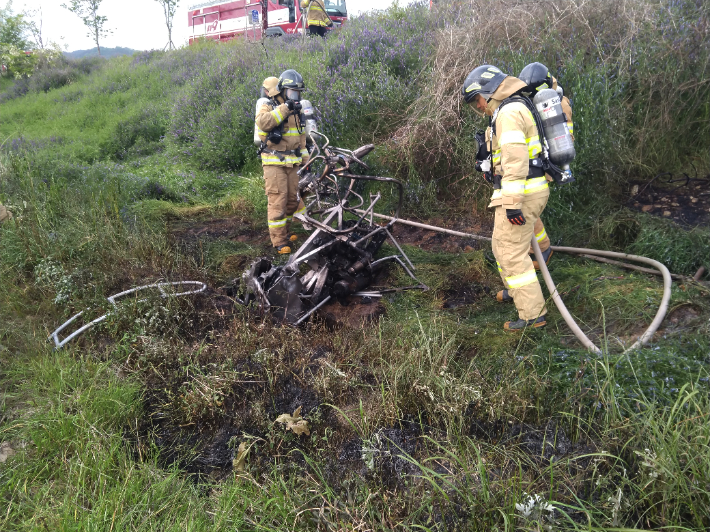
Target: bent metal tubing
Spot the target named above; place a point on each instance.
(54, 337)
(640, 341)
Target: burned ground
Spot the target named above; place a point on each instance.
(683, 199)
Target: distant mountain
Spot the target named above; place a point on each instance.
(105, 52)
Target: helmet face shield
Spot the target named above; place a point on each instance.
(293, 94)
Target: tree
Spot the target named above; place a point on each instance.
(87, 11)
(13, 28)
(35, 28)
(169, 9)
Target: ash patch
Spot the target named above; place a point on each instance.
(292, 396)
(212, 311)
(381, 458)
(464, 293)
(542, 443)
(235, 229)
(358, 312)
(683, 199)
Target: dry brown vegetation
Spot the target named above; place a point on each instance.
(644, 62)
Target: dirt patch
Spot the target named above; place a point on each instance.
(383, 457)
(234, 229)
(441, 242)
(358, 312)
(463, 293)
(682, 199)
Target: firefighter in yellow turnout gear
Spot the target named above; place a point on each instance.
(318, 19)
(283, 152)
(515, 147)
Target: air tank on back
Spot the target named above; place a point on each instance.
(308, 117)
(261, 101)
(554, 122)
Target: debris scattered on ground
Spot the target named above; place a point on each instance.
(6, 451)
(340, 253)
(295, 422)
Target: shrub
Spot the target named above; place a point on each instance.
(50, 75)
(636, 71)
(137, 135)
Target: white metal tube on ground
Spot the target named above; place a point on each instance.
(641, 341)
(429, 227)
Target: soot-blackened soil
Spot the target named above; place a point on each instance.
(442, 242)
(231, 228)
(383, 457)
(463, 293)
(680, 198)
(356, 313)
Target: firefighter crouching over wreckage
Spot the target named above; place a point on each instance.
(283, 151)
(514, 143)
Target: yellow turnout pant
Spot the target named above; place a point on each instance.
(541, 236)
(281, 186)
(511, 244)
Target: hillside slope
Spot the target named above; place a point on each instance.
(421, 412)
(106, 53)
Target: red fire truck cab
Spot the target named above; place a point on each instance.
(222, 21)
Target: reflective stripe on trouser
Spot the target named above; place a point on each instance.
(540, 236)
(510, 247)
(281, 185)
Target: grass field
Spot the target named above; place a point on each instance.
(425, 417)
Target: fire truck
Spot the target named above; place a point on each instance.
(222, 21)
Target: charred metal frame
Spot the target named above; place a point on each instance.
(340, 252)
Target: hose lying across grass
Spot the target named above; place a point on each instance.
(588, 253)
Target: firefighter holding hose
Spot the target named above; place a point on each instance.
(283, 152)
(317, 17)
(521, 188)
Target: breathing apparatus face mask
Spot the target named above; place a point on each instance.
(293, 94)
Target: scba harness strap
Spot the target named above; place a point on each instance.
(540, 165)
(280, 154)
(536, 166)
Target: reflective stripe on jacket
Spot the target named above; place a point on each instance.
(567, 110)
(317, 15)
(514, 143)
(269, 118)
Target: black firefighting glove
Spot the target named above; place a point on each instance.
(515, 216)
(293, 105)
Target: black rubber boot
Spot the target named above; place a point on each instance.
(545, 255)
(520, 325)
(503, 296)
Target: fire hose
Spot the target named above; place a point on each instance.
(594, 254)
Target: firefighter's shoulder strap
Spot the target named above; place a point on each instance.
(536, 165)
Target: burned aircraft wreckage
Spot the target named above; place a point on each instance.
(339, 256)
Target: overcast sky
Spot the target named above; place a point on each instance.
(136, 24)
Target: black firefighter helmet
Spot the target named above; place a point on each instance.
(483, 80)
(536, 76)
(291, 84)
